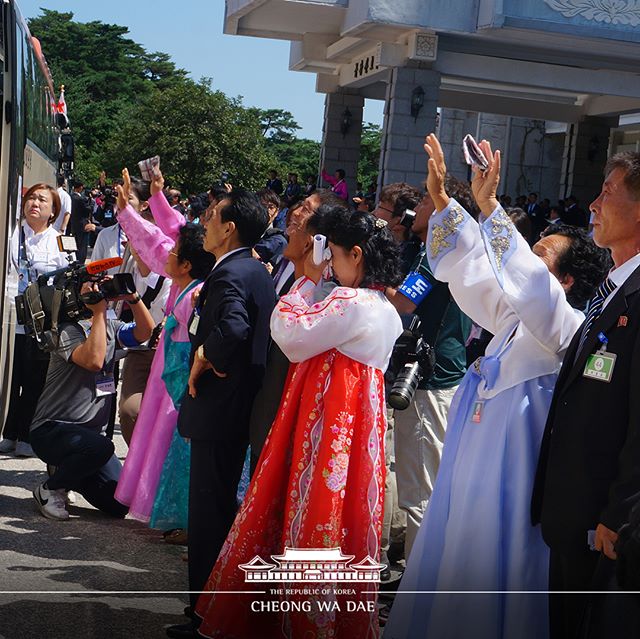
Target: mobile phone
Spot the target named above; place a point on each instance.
(473, 154)
(146, 167)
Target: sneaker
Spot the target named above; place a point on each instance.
(70, 497)
(7, 445)
(23, 449)
(51, 502)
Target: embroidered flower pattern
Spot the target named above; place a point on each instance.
(335, 476)
(440, 233)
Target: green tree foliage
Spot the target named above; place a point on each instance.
(369, 154)
(104, 73)
(197, 132)
(291, 154)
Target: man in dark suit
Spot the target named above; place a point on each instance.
(298, 248)
(588, 475)
(575, 215)
(536, 215)
(80, 223)
(229, 333)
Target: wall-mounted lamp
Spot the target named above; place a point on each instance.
(417, 102)
(345, 123)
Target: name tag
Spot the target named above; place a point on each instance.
(193, 327)
(476, 417)
(600, 366)
(105, 385)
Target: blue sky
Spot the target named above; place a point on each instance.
(191, 32)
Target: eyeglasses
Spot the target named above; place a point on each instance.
(174, 254)
(384, 208)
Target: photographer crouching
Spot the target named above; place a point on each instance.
(73, 410)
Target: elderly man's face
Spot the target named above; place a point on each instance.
(297, 234)
(616, 212)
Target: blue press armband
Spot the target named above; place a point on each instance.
(126, 336)
(416, 287)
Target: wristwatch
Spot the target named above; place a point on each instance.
(135, 300)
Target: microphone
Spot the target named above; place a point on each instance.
(93, 268)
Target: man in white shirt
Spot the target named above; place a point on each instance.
(61, 222)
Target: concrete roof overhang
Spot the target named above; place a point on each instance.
(503, 68)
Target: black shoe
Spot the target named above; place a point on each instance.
(188, 612)
(385, 574)
(183, 631)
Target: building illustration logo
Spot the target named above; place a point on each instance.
(311, 565)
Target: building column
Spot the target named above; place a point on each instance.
(453, 125)
(402, 156)
(585, 155)
(342, 151)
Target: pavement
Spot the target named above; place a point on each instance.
(91, 576)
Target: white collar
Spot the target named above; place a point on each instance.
(226, 255)
(620, 275)
(29, 232)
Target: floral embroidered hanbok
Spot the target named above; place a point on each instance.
(320, 478)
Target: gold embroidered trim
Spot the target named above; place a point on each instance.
(441, 232)
(500, 243)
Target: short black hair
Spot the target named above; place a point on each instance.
(267, 196)
(141, 188)
(60, 180)
(341, 173)
(587, 263)
(521, 221)
(191, 249)
(245, 210)
(401, 196)
(379, 248)
(218, 192)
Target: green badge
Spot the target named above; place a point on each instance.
(600, 366)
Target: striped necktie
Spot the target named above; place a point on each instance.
(595, 308)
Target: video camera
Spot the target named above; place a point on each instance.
(412, 360)
(44, 306)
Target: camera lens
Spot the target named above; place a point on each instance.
(404, 388)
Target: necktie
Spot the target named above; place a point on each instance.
(595, 308)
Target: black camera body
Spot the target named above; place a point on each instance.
(412, 360)
(44, 306)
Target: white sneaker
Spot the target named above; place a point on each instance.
(23, 449)
(70, 498)
(51, 502)
(7, 445)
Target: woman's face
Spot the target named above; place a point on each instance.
(38, 208)
(347, 265)
(174, 267)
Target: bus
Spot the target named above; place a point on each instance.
(29, 153)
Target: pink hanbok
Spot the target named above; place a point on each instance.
(157, 419)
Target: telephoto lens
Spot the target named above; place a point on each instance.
(121, 284)
(404, 388)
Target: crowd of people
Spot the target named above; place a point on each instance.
(447, 379)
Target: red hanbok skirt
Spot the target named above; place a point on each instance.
(319, 484)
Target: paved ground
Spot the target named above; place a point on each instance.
(48, 568)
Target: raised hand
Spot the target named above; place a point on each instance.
(437, 171)
(485, 183)
(157, 181)
(124, 190)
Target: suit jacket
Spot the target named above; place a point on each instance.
(234, 309)
(589, 466)
(81, 212)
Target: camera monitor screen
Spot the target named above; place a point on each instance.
(67, 243)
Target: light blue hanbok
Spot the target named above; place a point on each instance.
(477, 534)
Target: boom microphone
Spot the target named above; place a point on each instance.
(93, 268)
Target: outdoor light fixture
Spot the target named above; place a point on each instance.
(417, 101)
(345, 124)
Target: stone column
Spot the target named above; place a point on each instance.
(342, 151)
(585, 154)
(402, 157)
(454, 124)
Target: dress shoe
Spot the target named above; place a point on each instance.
(183, 631)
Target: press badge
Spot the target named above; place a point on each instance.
(600, 365)
(105, 384)
(193, 327)
(416, 287)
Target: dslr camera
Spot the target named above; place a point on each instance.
(412, 360)
(55, 298)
